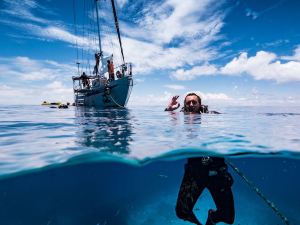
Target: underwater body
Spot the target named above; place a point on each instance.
(125, 166)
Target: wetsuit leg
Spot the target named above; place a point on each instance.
(220, 189)
(190, 190)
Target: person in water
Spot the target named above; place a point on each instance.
(203, 172)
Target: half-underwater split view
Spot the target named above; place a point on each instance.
(149, 112)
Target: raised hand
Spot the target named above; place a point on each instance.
(174, 104)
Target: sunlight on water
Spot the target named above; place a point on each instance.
(35, 136)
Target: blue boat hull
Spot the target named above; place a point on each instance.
(115, 94)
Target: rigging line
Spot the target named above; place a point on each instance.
(113, 41)
(83, 33)
(98, 26)
(88, 39)
(112, 38)
(107, 31)
(93, 26)
(75, 28)
(90, 33)
(117, 27)
(115, 45)
(259, 193)
(110, 41)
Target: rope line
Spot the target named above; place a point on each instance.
(260, 194)
(116, 102)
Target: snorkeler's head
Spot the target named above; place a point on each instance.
(192, 103)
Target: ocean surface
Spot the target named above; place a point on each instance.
(85, 166)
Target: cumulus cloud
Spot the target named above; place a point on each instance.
(161, 38)
(165, 97)
(296, 55)
(263, 66)
(148, 57)
(28, 81)
(150, 100)
(158, 39)
(215, 96)
(34, 94)
(193, 73)
(26, 69)
(213, 99)
(168, 19)
(175, 87)
(58, 87)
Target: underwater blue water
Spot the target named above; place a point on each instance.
(124, 166)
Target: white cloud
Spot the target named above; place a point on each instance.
(164, 98)
(261, 100)
(175, 87)
(216, 96)
(34, 94)
(263, 66)
(296, 55)
(121, 3)
(211, 96)
(23, 68)
(150, 100)
(28, 81)
(51, 33)
(167, 20)
(58, 33)
(147, 43)
(22, 9)
(275, 43)
(149, 56)
(252, 14)
(58, 88)
(193, 73)
(213, 99)
(165, 24)
(23, 13)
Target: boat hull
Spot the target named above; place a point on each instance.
(115, 94)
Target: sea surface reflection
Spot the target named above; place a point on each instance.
(32, 137)
(105, 130)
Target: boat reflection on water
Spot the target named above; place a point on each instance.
(106, 130)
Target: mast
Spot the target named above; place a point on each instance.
(117, 27)
(98, 26)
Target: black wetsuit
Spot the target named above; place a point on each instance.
(210, 173)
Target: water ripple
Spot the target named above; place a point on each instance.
(33, 136)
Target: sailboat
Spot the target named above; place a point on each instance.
(108, 85)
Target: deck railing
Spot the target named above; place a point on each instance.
(88, 82)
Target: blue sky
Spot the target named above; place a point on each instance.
(230, 52)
